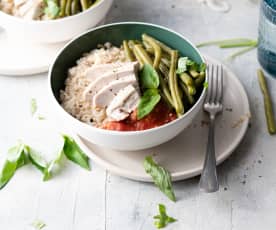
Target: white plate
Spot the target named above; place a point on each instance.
(19, 57)
(184, 155)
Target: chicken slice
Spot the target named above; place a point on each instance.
(123, 104)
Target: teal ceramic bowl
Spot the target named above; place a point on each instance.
(116, 33)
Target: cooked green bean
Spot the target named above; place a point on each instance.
(141, 52)
(68, 8)
(84, 4)
(193, 73)
(270, 120)
(156, 48)
(128, 52)
(138, 58)
(189, 82)
(75, 7)
(62, 7)
(166, 92)
(166, 61)
(164, 70)
(190, 98)
(164, 47)
(173, 85)
(200, 79)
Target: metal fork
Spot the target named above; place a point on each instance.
(212, 105)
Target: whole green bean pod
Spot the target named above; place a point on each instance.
(166, 61)
(166, 92)
(68, 8)
(164, 47)
(141, 52)
(173, 84)
(199, 80)
(194, 73)
(164, 70)
(84, 4)
(156, 48)
(75, 6)
(62, 8)
(138, 58)
(270, 120)
(190, 98)
(189, 82)
(128, 51)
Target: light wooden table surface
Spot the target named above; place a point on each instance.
(81, 200)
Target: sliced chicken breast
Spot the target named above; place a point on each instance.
(104, 97)
(97, 71)
(108, 78)
(123, 104)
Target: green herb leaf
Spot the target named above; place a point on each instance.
(205, 85)
(149, 77)
(36, 159)
(73, 152)
(185, 64)
(147, 102)
(54, 163)
(162, 219)
(161, 177)
(38, 224)
(15, 160)
(202, 67)
(33, 106)
(52, 9)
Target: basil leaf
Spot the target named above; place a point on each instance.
(52, 9)
(54, 163)
(36, 159)
(14, 161)
(33, 106)
(205, 85)
(202, 67)
(163, 218)
(149, 78)
(38, 224)
(73, 152)
(182, 65)
(147, 102)
(161, 177)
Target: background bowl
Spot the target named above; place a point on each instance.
(117, 32)
(53, 31)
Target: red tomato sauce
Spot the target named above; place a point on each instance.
(159, 116)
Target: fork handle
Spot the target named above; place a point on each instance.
(209, 180)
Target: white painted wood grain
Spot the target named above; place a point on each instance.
(81, 200)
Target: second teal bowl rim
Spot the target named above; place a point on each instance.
(114, 132)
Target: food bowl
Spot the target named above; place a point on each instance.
(116, 33)
(58, 30)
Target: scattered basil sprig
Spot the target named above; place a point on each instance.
(149, 100)
(73, 152)
(22, 154)
(38, 224)
(149, 80)
(15, 159)
(185, 64)
(161, 177)
(33, 106)
(162, 220)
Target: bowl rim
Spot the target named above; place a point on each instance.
(54, 21)
(115, 132)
